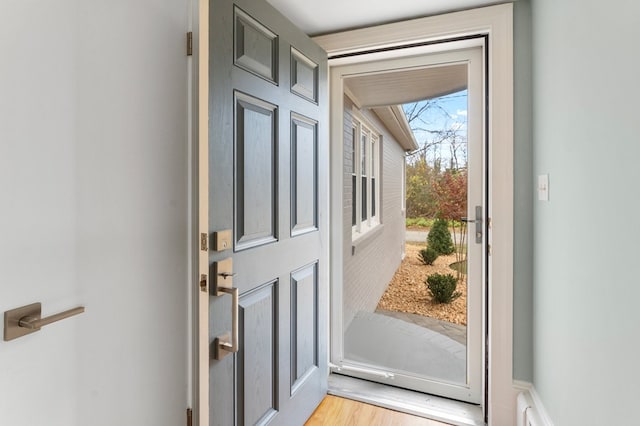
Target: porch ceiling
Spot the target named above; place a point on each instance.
(326, 16)
(407, 85)
(385, 92)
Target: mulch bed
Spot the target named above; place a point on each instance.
(408, 292)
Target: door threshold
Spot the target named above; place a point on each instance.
(419, 404)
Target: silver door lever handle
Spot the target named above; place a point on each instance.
(226, 275)
(225, 344)
(34, 323)
(467, 220)
(28, 319)
(478, 222)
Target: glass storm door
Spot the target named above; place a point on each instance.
(414, 351)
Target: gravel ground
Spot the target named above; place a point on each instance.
(408, 292)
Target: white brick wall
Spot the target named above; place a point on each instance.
(370, 263)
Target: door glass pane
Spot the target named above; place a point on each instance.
(373, 197)
(363, 154)
(354, 198)
(364, 198)
(373, 171)
(354, 141)
(354, 189)
(415, 325)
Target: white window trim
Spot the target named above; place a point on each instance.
(372, 165)
(496, 22)
(354, 174)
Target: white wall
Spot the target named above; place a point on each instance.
(586, 137)
(371, 261)
(94, 198)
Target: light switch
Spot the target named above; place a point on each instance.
(543, 188)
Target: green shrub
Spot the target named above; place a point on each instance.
(428, 256)
(439, 237)
(442, 288)
(419, 222)
(424, 223)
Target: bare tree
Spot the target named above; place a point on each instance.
(438, 130)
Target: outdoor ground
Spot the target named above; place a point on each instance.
(408, 292)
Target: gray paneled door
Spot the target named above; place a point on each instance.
(268, 165)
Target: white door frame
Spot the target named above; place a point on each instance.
(471, 53)
(200, 358)
(496, 23)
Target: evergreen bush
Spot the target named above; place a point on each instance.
(439, 237)
(442, 288)
(428, 256)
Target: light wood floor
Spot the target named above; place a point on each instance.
(337, 411)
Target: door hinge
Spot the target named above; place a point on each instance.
(189, 43)
(189, 417)
(204, 241)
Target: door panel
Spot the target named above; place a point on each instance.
(256, 47)
(255, 181)
(304, 165)
(267, 180)
(304, 76)
(304, 325)
(257, 366)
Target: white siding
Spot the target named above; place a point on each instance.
(370, 262)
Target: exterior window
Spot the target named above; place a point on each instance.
(354, 159)
(365, 171)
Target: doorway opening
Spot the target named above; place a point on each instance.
(425, 301)
(393, 346)
(493, 25)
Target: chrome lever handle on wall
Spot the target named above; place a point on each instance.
(28, 319)
(35, 323)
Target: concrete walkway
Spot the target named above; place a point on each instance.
(416, 236)
(421, 236)
(454, 331)
(396, 345)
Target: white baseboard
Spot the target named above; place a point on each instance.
(529, 401)
(542, 412)
(521, 386)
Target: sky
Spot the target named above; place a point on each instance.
(451, 114)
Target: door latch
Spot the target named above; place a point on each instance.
(478, 222)
(203, 282)
(222, 275)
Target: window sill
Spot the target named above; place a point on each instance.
(360, 241)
